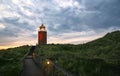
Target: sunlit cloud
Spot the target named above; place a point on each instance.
(75, 37)
(68, 4)
(2, 26)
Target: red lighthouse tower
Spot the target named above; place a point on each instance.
(42, 35)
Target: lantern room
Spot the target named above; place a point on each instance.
(42, 28)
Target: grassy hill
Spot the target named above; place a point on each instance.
(100, 57)
(11, 60)
(106, 48)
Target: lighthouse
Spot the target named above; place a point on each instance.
(42, 35)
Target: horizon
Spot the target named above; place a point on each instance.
(7, 47)
(67, 21)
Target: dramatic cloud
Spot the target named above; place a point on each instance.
(67, 21)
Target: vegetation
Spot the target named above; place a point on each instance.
(100, 57)
(11, 60)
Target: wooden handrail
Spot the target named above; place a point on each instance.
(55, 67)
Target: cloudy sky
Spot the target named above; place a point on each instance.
(67, 21)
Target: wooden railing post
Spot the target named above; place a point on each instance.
(53, 73)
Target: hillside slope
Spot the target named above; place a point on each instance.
(107, 48)
(11, 60)
(100, 57)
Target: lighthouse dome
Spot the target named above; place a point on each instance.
(42, 27)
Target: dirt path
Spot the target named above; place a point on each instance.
(31, 69)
